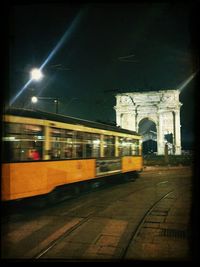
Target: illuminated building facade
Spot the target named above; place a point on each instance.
(154, 114)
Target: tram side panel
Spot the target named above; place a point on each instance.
(20, 180)
(132, 163)
(27, 179)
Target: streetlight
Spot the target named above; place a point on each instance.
(36, 74)
(56, 103)
(34, 100)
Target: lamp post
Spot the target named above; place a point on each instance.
(56, 104)
(35, 99)
(36, 76)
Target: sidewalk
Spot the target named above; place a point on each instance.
(158, 167)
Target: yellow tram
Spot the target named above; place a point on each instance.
(44, 151)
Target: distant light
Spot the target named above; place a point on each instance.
(34, 99)
(36, 74)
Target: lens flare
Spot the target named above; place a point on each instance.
(187, 81)
(63, 39)
(20, 92)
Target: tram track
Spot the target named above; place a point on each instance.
(154, 211)
(63, 232)
(141, 224)
(60, 238)
(63, 235)
(75, 227)
(55, 237)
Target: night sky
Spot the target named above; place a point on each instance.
(106, 49)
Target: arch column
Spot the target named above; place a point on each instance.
(160, 136)
(118, 118)
(136, 119)
(177, 132)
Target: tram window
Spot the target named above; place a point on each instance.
(135, 147)
(128, 147)
(61, 143)
(67, 148)
(78, 145)
(19, 139)
(87, 145)
(55, 143)
(67, 144)
(124, 147)
(109, 146)
(95, 145)
(91, 145)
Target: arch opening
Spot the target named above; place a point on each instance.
(147, 128)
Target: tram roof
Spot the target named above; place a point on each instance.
(39, 114)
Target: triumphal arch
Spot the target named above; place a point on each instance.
(154, 114)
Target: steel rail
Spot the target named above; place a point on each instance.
(141, 223)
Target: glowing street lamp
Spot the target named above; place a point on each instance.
(36, 74)
(56, 104)
(34, 100)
